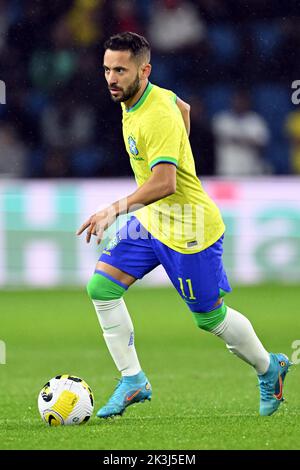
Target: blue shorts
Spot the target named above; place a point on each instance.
(199, 278)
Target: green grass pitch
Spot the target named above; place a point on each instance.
(203, 397)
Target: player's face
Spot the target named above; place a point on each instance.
(123, 75)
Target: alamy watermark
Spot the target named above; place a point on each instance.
(2, 92)
(2, 352)
(295, 358)
(296, 95)
(181, 223)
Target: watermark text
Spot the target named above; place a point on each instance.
(2, 92)
(296, 94)
(181, 223)
(296, 354)
(2, 352)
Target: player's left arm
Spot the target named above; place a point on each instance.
(185, 109)
(162, 183)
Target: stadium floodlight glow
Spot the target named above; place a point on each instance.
(2, 92)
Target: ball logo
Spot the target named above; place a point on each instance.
(53, 418)
(47, 396)
(46, 393)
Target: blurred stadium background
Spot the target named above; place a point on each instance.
(62, 157)
(61, 150)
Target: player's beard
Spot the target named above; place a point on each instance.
(129, 92)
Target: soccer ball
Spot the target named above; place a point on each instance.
(65, 400)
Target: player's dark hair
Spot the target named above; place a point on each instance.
(136, 44)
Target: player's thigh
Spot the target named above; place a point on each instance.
(199, 278)
(129, 255)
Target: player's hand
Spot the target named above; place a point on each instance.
(97, 224)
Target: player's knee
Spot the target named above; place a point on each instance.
(210, 320)
(93, 288)
(100, 287)
(205, 307)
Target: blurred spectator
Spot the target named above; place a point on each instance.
(67, 126)
(178, 38)
(196, 45)
(84, 22)
(50, 68)
(56, 163)
(125, 16)
(293, 132)
(4, 22)
(33, 30)
(90, 162)
(202, 138)
(175, 25)
(12, 153)
(67, 123)
(241, 137)
(287, 55)
(19, 115)
(214, 10)
(88, 80)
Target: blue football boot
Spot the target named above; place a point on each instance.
(129, 390)
(271, 384)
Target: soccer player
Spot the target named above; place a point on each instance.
(175, 224)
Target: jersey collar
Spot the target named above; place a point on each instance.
(142, 99)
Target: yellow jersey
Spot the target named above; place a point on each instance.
(187, 221)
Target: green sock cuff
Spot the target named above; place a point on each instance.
(209, 320)
(100, 287)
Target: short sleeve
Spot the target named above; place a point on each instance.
(162, 137)
(172, 95)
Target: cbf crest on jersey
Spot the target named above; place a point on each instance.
(132, 146)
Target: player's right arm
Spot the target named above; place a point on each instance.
(162, 140)
(161, 183)
(185, 112)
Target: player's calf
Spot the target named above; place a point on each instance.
(240, 338)
(118, 333)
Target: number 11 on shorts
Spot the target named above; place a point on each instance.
(190, 288)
